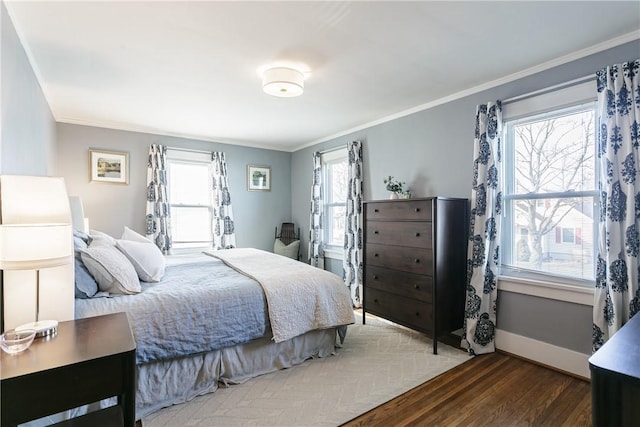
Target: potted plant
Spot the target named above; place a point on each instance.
(395, 187)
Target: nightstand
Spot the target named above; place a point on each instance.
(615, 378)
(88, 360)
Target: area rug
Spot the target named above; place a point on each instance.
(379, 361)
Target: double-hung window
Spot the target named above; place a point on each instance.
(549, 188)
(190, 198)
(334, 164)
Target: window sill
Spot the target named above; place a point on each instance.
(334, 253)
(547, 289)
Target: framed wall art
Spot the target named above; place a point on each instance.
(258, 178)
(109, 166)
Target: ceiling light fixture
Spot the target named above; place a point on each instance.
(284, 82)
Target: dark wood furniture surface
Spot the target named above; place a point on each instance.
(88, 360)
(415, 263)
(615, 378)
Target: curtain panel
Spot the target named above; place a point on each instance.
(352, 260)
(484, 233)
(158, 218)
(316, 252)
(617, 294)
(223, 228)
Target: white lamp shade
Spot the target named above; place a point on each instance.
(283, 82)
(35, 246)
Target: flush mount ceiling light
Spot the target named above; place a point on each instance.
(284, 82)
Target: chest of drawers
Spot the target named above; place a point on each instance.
(415, 263)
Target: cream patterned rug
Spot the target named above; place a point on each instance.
(378, 361)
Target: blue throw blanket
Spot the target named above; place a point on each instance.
(200, 305)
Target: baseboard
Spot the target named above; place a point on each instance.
(559, 358)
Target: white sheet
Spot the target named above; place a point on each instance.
(300, 297)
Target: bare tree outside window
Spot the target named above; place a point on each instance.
(551, 166)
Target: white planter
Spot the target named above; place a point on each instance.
(393, 195)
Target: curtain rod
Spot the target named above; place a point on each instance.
(559, 86)
(329, 150)
(188, 150)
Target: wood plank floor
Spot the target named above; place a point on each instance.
(489, 390)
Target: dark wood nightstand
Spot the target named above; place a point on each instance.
(88, 360)
(615, 378)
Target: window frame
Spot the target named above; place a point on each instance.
(327, 159)
(531, 282)
(189, 158)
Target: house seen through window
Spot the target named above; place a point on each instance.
(190, 199)
(335, 196)
(550, 195)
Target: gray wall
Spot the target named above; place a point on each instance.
(110, 207)
(432, 151)
(27, 128)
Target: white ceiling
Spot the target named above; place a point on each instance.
(189, 68)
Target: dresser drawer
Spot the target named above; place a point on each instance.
(417, 286)
(408, 312)
(412, 260)
(411, 210)
(410, 233)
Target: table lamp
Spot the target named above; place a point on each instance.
(36, 247)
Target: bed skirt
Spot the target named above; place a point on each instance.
(166, 383)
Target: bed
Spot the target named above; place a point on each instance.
(222, 318)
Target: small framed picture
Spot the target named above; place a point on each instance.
(109, 166)
(258, 178)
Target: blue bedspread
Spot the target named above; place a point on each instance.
(200, 305)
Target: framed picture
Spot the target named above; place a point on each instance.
(258, 178)
(109, 166)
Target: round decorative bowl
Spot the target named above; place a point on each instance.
(13, 341)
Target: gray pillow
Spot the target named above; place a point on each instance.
(86, 286)
(100, 238)
(82, 236)
(291, 250)
(146, 258)
(111, 269)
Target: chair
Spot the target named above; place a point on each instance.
(288, 242)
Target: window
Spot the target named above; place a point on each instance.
(335, 187)
(550, 195)
(568, 235)
(189, 199)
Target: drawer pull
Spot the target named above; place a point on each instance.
(375, 300)
(417, 234)
(375, 254)
(376, 210)
(417, 209)
(416, 286)
(375, 277)
(376, 232)
(417, 314)
(417, 261)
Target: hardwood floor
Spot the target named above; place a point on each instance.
(489, 390)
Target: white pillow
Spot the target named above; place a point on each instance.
(291, 250)
(100, 238)
(146, 258)
(111, 269)
(129, 234)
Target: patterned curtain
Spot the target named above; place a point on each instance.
(484, 233)
(316, 252)
(158, 220)
(617, 294)
(352, 261)
(224, 236)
